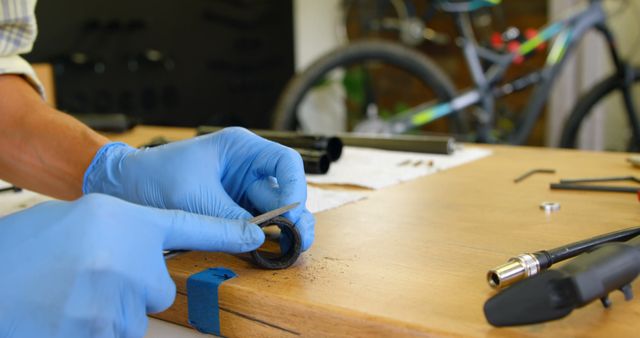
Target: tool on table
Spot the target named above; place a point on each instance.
(11, 188)
(577, 184)
(288, 231)
(533, 171)
(415, 163)
(529, 264)
(554, 293)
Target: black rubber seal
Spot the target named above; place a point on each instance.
(285, 260)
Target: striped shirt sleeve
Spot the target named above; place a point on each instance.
(18, 32)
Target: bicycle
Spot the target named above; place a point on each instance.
(487, 67)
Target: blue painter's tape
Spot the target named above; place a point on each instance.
(202, 298)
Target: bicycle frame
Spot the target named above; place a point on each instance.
(568, 32)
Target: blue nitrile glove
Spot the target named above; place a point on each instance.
(94, 267)
(226, 174)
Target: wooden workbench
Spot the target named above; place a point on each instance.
(411, 259)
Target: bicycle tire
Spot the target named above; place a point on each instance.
(586, 103)
(394, 54)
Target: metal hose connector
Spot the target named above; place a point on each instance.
(516, 268)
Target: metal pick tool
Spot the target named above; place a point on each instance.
(273, 213)
(256, 220)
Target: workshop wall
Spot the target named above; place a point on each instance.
(166, 62)
(314, 36)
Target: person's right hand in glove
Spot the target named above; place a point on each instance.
(231, 174)
(95, 268)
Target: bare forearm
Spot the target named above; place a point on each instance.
(42, 149)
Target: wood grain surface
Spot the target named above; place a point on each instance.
(411, 259)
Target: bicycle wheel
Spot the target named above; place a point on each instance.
(374, 79)
(607, 95)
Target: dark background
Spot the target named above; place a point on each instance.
(191, 62)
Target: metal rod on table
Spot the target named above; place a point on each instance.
(414, 143)
(584, 187)
(531, 172)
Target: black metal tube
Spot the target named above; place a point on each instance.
(329, 144)
(315, 162)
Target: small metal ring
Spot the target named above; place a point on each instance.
(285, 260)
(550, 206)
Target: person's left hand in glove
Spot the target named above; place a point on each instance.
(94, 267)
(227, 174)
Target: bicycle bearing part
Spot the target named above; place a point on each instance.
(287, 230)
